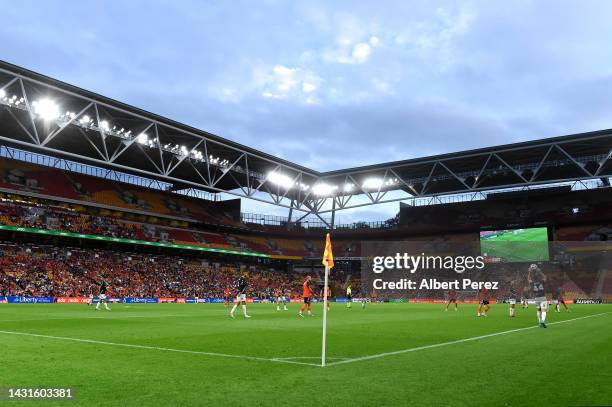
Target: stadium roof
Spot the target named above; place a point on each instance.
(44, 115)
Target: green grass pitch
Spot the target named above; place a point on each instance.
(188, 355)
(528, 245)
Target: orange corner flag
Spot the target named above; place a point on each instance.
(328, 256)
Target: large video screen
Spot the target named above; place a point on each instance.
(515, 245)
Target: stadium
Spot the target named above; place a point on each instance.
(128, 266)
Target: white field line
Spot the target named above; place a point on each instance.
(291, 360)
(438, 345)
(109, 318)
(128, 345)
(311, 357)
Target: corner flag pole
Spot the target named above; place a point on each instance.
(324, 315)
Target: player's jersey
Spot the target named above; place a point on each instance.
(306, 289)
(483, 294)
(560, 295)
(349, 292)
(227, 292)
(241, 285)
(103, 288)
(452, 295)
(536, 288)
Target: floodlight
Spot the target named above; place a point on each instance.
(46, 108)
(324, 189)
(280, 179)
(372, 183)
(104, 125)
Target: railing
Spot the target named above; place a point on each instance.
(311, 222)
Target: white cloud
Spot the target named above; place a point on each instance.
(309, 87)
(358, 53)
(282, 82)
(361, 52)
(435, 38)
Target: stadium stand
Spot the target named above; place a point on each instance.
(50, 199)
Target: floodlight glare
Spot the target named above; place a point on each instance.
(324, 189)
(46, 108)
(104, 125)
(280, 179)
(2, 93)
(372, 183)
(143, 138)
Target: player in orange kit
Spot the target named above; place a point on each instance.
(307, 294)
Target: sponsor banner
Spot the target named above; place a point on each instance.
(140, 300)
(172, 300)
(193, 300)
(3, 300)
(72, 300)
(29, 300)
(401, 300)
(588, 301)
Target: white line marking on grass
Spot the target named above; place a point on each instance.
(114, 317)
(311, 357)
(438, 345)
(128, 345)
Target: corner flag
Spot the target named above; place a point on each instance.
(328, 256)
(328, 262)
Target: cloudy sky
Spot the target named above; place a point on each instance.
(364, 82)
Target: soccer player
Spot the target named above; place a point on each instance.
(307, 294)
(364, 297)
(281, 299)
(512, 302)
(328, 296)
(102, 296)
(484, 306)
(536, 280)
(561, 300)
(241, 287)
(452, 298)
(227, 297)
(349, 296)
(91, 296)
